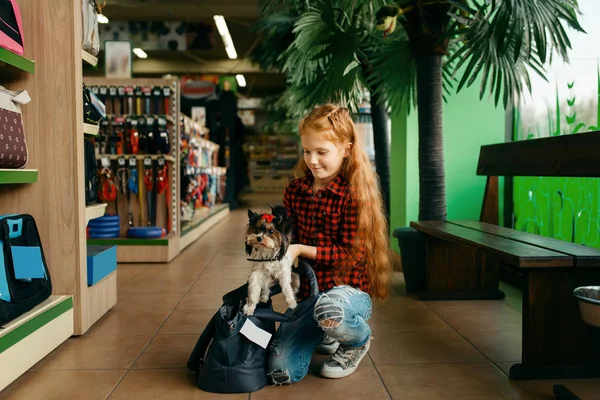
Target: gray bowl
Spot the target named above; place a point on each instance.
(589, 304)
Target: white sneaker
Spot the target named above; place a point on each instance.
(327, 346)
(345, 361)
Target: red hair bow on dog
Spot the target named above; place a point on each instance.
(268, 217)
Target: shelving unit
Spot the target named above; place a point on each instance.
(147, 250)
(13, 176)
(271, 161)
(94, 211)
(16, 61)
(29, 338)
(54, 130)
(88, 58)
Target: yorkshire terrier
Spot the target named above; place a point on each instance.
(268, 237)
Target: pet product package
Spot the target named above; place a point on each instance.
(13, 147)
(11, 27)
(24, 277)
(89, 19)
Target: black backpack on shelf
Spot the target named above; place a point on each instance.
(91, 172)
(24, 277)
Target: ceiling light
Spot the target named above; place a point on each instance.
(231, 53)
(102, 19)
(240, 80)
(140, 53)
(225, 36)
(221, 25)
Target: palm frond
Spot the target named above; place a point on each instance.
(276, 32)
(506, 39)
(327, 59)
(395, 72)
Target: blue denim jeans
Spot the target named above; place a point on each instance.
(341, 313)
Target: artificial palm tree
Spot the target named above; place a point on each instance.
(327, 60)
(497, 42)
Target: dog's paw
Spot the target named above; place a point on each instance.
(292, 304)
(264, 299)
(248, 309)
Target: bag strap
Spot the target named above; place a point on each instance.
(196, 360)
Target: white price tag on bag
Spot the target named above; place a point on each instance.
(255, 334)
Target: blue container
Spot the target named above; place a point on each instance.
(101, 261)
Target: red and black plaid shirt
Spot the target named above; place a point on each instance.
(326, 220)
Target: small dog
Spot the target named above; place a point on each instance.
(268, 237)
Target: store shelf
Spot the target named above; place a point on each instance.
(29, 338)
(94, 211)
(138, 156)
(90, 59)
(142, 250)
(91, 129)
(208, 218)
(11, 176)
(101, 297)
(17, 61)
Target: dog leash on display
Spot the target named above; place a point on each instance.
(134, 135)
(162, 184)
(156, 95)
(121, 92)
(132, 186)
(138, 100)
(147, 91)
(149, 183)
(166, 96)
(141, 195)
(108, 191)
(129, 93)
(121, 179)
(112, 93)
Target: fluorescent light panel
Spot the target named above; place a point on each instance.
(102, 19)
(140, 53)
(240, 80)
(225, 36)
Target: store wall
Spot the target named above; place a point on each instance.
(469, 123)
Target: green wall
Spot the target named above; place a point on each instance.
(468, 124)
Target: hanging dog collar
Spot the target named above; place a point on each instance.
(161, 179)
(108, 190)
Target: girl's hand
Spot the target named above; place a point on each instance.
(294, 251)
(301, 250)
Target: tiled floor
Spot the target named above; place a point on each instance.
(421, 350)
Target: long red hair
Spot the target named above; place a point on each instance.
(372, 242)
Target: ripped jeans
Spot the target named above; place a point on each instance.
(341, 313)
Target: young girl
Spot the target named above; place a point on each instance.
(341, 230)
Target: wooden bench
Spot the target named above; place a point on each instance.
(463, 259)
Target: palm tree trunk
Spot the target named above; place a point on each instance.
(432, 186)
(382, 149)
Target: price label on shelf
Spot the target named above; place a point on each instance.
(121, 161)
(132, 161)
(147, 162)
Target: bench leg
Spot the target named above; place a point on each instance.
(557, 344)
(458, 272)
